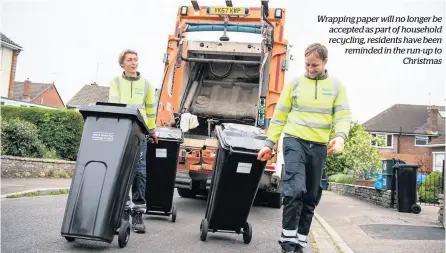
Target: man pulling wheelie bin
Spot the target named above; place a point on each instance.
(112, 147)
(132, 89)
(307, 109)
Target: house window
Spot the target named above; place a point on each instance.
(387, 140)
(438, 161)
(421, 140)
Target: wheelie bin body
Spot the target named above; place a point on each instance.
(406, 188)
(235, 179)
(161, 168)
(105, 168)
(387, 174)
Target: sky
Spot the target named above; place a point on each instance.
(75, 43)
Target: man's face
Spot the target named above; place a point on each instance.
(130, 63)
(314, 65)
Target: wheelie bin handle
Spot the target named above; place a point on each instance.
(231, 150)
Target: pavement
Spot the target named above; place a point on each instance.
(369, 228)
(32, 224)
(11, 185)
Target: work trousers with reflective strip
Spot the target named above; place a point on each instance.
(304, 163)
(139, 182)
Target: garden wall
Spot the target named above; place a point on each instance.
(369, 194)
(13, 167)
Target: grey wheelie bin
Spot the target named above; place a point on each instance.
(161, 168)
(235, 180)
(105, 168)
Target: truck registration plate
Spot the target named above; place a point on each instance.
(227, 11)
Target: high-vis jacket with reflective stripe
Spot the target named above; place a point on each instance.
(308, 108)
(135, 91)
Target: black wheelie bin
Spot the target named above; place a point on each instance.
(235, 180)
(161, 168)
(406, 187)
(105, 168)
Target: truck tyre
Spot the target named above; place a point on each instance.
(274, 200)
(186, 193)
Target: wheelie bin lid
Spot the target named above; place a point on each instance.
(240, 137)
(170, 134)
(114, 109)
(405, 165)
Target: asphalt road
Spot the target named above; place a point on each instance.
(33, 225)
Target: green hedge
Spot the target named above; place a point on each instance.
(59, 130)
(430, 188)
(20, 138)
(341, 178)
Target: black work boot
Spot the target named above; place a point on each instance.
(287, 251)
(137, 222)
(299, 249)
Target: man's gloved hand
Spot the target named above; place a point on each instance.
(153, 138)
(264, 154)
(336, 146)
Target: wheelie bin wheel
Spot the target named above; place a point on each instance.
(204, 229)
(174, 213)
(247, 233)
(127, 212)
(415, 208)
(70, 239)
(124, 234)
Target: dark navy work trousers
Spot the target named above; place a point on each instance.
(304, 163)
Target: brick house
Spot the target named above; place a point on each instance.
(414, 133)
(38, 93)
(9, 51)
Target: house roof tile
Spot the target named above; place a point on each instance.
(412, 119)
(438, 141)
(36, 89)
(5, 39)
(89, 94)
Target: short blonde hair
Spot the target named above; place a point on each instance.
(124, 53)
(318, 49)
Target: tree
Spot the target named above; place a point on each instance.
(358, 153)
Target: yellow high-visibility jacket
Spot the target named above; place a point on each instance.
(308, 109)
(135, 91)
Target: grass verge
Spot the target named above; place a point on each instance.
(313, 242)
(38, 193)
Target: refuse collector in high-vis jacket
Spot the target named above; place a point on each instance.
(308, 107)
(132, 89)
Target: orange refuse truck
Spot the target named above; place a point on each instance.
(223, 64)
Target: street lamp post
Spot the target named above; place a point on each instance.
(97, 71)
